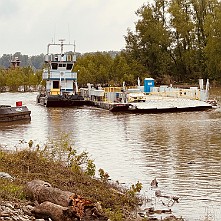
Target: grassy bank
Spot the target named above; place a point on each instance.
(65, 173)
(60, 164)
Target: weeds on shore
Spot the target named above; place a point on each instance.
(61, 165)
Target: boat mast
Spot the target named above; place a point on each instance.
(61, 44)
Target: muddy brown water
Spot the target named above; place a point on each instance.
(181, 150)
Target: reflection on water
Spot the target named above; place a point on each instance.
(182, 150)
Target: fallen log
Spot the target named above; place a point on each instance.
(61, 205)
(56, 212)
(42, 191)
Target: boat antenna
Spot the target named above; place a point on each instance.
(69, 33)
(74, 46)
(54, 33)
(62, 44)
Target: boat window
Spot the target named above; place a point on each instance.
(54, 66)
(62, 65)
(55, 84)
(69, 66)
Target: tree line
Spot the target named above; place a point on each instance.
(13, 78)
(174, 41)
(179, 40)
(36, 61)
(28, 75)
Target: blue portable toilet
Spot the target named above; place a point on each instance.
(148, 84)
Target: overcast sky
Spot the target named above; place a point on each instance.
(27, 26)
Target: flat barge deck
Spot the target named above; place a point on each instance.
(154, 106)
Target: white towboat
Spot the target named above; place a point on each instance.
(61, 82)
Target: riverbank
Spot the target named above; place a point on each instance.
(20, 167)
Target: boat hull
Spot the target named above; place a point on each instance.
(119, 108)
(8, 114)
(61, 101)
(170, 110)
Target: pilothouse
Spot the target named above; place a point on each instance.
(61, 82)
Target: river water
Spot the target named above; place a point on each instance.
(181, 150)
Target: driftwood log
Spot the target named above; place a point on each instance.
(60, 205)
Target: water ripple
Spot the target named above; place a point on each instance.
(182, 150)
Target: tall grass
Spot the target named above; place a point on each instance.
(60, 164)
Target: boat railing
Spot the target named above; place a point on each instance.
(191, 93)
(59, 75)
(67, 57)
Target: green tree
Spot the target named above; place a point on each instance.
(213, 47)
(190, 37)
(127, 69)
(177, 40)
(25, 74)
(14, 79)
(182, 32)
(2, 80)
(94, 68)
(149, 44)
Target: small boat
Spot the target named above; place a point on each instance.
(17, 113)
(61, 82)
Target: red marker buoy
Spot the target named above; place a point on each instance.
(18, 103)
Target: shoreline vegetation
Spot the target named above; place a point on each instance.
(65, 170)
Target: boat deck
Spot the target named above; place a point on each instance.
(8, 113)
(155, 104)
(158, 103)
